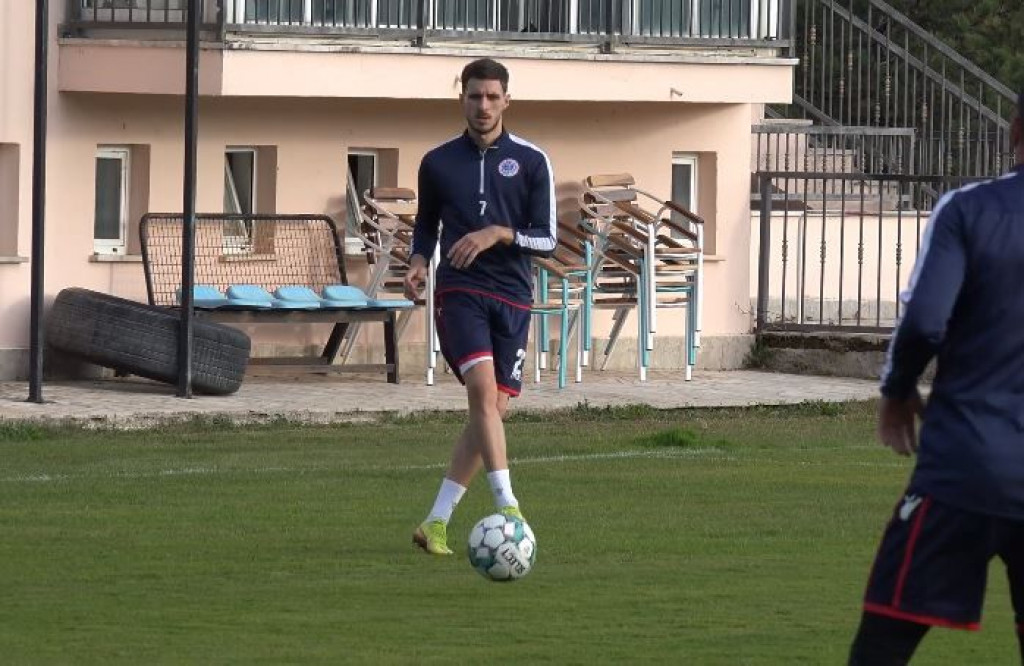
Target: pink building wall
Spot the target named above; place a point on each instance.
(590, 116)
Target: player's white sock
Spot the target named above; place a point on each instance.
(447, 499)
(501, 486)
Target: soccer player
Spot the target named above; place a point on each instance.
(964, 503)
(493, 195)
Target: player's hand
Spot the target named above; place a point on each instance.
(415, 277)
(465, 251)
(897, 423)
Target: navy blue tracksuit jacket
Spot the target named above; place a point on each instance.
(467, 189)
(965, 305)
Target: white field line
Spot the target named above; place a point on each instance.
(708, 453)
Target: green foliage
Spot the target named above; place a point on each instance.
(21, 431)
(759, 356)
(987, 32)
(822, 407)
(683, 438)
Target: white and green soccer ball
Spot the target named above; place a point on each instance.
(502, 548)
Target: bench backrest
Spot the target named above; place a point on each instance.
(266, 250)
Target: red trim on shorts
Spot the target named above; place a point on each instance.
(908, 555)
(508, 389)
(486, 294)
(930, 620)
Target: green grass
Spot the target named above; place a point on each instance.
(699, 537)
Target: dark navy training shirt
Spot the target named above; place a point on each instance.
(466, 189)
(965, 305)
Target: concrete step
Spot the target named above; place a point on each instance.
(860, 355)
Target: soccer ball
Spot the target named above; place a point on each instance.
(502, 548)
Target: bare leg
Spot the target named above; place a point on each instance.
(482, 442)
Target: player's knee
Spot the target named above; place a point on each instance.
(483, 398)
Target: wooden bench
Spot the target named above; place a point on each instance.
(269, 251)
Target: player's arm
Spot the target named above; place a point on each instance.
(424, 234)
(536, 237)
(540, 234)
(428, 215)
(928, 301)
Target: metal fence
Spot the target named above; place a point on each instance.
(166, 14)
(864, 63)
(766, 22)
(270, 251)
(839, 262)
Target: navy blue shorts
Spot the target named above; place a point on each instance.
(474, 327)
(933, 562)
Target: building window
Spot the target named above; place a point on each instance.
(684, 184)
(10, 190)
(110, 222)
(363, 175)
(239, 198)
(240, 181)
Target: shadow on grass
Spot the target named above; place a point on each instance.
(681, 438)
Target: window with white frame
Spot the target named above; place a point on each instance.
(110, 221)
(362, 172)
(362, 176)
(239, 196)
(684, 184)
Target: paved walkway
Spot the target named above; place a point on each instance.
(134, 402)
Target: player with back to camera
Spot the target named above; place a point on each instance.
(964, 504)
(491, 193)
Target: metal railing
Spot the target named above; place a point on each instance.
(166, 14)
(670, 22)
(800, 147)
(839, 263)
(865, 63)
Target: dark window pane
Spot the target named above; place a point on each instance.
(682, 189)
(238, 182)
(362, 167)
(107, 224)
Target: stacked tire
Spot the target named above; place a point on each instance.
(141, 339)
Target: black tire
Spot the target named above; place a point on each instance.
(142, 340)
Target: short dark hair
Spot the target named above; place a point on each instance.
(485, 69)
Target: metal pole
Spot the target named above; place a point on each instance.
(188, 230)
(35, 391)
(764, 253)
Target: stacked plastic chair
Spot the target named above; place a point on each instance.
(386, 225)
(649, 257)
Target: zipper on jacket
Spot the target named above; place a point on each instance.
(483, 157)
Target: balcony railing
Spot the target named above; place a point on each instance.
(670, 22)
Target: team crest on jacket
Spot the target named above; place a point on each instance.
(508, 167)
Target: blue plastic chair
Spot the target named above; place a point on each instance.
(302, 294)
(347, 292)
(204, 297)
(251, 293)
(208, 297)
